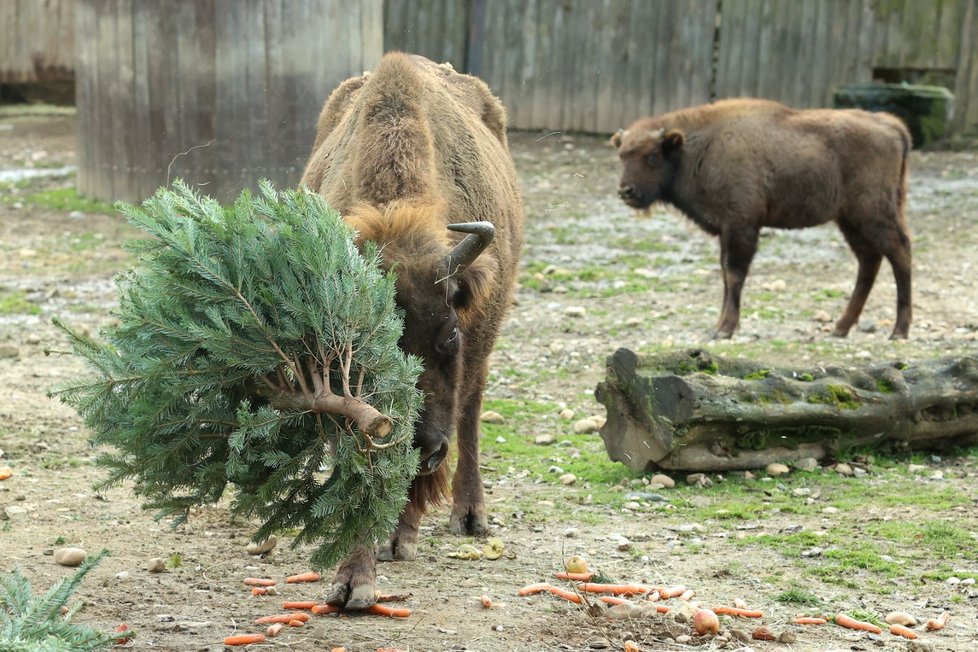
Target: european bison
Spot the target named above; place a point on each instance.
(406, 153)
(738, 165)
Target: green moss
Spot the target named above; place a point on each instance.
(67, 199)
(760, 374)
(884, 386)
(16, 303)
(806, 377)
(838, 396)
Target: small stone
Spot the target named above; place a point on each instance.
(8, 352)
(867, 326)
(822, 317)
(624, 611)
(124, 575)
(76, 215)
(156, 565)
(968, 581)
(664, 480)
(900, 618)
(787, 638)
(812, 552)
(567, 414)
(682, 639)
(830, 510)
(776, 469)
(801, 491)
(585, 426)
(571, 532)
(777, 285)
(33, 338)
(544, 440)
(952, 581)
(843, 469)
(262, 547)
(763, 634)
(916, 468)
(699, 480)
(632, 506)
(624, 544)
(69, 556)
(806, 464)
(568, 479)
(489, 416)
(575, 311)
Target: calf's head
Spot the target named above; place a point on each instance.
(649, 159)
(441, 290)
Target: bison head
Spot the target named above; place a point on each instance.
(440, 289)
(649, 159)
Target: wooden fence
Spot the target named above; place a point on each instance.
(37, 41)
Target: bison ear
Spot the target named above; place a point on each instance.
(616, 138)
(474, 284)
(672, 140)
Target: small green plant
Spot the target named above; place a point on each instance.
(798, 596)
(17, 303)
(176, 560)
(34, 623)
(68, 199)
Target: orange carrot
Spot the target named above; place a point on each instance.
(534, 588)
(486, 602)
(631, 646)
(565, 594)
(672, 591)
(384, 610)
(687, 595)
(125, 634)
(662, 609)
(338, 649)
(323, 609)
(259, 590)
(257, 581)
(244, 639)
(617, 589)
(282, 618)
(274, 629)
(6, 472)
(577, 577)
(610, 599)
(935, 624)
(900, 630)
(303, 577)
(295, 622)
(809, 620)
(734, 611)
(852, 623)
(306, 604)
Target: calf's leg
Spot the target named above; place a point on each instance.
(737, 248)
(355, 582)
(869, 258)
(898, 253)
(468, 503)
(425, 490)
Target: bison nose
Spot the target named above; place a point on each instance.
(624, 192)
(431, 463)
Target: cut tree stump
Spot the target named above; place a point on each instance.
(688, 410)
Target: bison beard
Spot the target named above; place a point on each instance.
(405, 153)
(736, 166)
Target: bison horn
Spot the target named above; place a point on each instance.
(466, 251)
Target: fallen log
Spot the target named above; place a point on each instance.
(689, 410)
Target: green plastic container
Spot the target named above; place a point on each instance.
(927, 110)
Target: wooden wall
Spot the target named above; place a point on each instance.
(218, 92)
(37, 40)
(437, 29)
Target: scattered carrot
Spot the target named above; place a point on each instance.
(6, 472)
(303, 577)
(662, 609)
(565, 594)
(852, 623)
(687, 595)
(384, 610)
(305, 604)
(617, 589)
(389, 649)
(282, 618)
(338, 649)
(486, 602)
(295, 622)
(259, 590)
(935, 624)
(672, 591)
(274, 629)
(125, 634)
(809, 620)
(576, 577)
(742, 613)
(323, 609)
(611, 599)
(244, 639)
(257, 581)
(901, 630)
(631, 646)
(530, 589)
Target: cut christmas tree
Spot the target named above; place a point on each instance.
(256, 347)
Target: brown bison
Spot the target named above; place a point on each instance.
(412, 154)
(738, 165)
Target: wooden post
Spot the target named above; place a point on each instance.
(220, 93)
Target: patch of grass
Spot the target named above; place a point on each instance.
(798, 596)
(16, 303)
(68, 199)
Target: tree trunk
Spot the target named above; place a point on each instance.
(688, 410)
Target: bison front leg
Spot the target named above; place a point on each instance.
(468, 503)
(355, 583)
(403, 542)
(738, 245)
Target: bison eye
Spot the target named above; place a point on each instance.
(651, 159)
(449, 346)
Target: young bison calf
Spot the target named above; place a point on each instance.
(738, 165)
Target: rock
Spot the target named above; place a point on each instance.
(801, 492)
(586, 426)
(787, 638)
(763, 634)
(566, 413)
(262, 547)
(806, 464)
(822, 317)
(682, 639)
(951, 581)
(156, 565)
(544, 440)
(33, 338)
(490, 416)
(76, 215)
(900, 618)
(568, 479)
(776, 469)
(624, 544)
(575, 311)
(664, 480)
(699, 480)
(844, 469)
(124, 575)
(624, 611)
(8, 352)
(69, 556)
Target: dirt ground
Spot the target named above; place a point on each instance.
(596, 277)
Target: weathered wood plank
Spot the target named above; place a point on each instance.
(37, 41)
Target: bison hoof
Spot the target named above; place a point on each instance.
(899, 335)
(359, 597)
(398, 550)
(722, 335)
(840, 332)
(471, 522)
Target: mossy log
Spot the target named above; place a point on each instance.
(689, 410)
